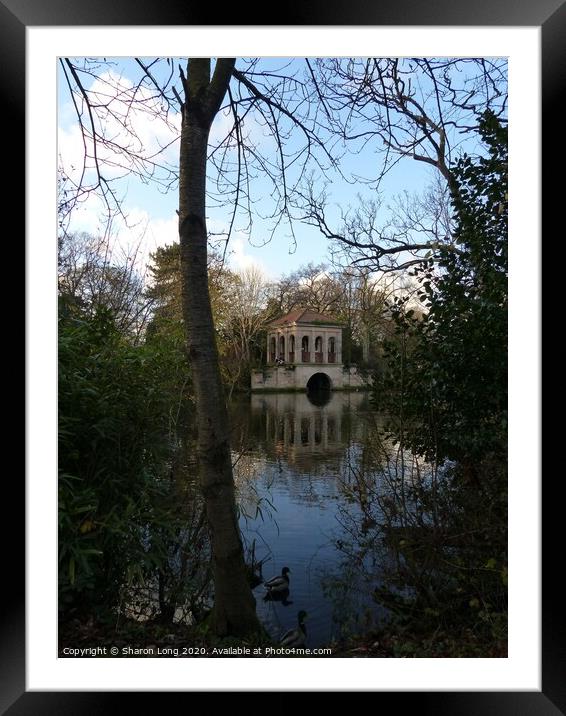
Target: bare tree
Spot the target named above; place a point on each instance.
(393, 237)
(366, 309)
(425, 109)
(311, 285)
(108, 109)
(94, 273)
(244, 317)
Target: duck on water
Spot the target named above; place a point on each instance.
(279, 583)
(297, 636)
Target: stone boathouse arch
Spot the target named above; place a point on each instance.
(319, 380)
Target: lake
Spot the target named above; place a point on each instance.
(306, 467)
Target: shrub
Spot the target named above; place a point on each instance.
(117, 406)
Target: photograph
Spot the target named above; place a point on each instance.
(282, 357)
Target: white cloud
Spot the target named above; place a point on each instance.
(139, 234)
(221, 126)
(127, 116)
(239, 259)
(146, 234)
(143, 233)
(133, 117)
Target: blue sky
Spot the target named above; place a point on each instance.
(151, 212)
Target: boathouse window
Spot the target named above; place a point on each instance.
(305, 355)
(332, 350)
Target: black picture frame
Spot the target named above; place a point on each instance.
(15, 16)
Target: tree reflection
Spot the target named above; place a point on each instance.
(424, 543)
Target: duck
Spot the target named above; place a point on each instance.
(296, 637)
(280, 583)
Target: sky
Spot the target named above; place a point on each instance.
(151, 210)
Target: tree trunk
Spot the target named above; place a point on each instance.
(365, 345)
(234, 604)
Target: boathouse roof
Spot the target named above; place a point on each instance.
(301, 316)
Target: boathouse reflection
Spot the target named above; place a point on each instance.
(298, 424)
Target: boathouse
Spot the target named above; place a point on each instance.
(304, 352)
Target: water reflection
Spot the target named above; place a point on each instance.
(320, 396)
(293, 458)
(297, 427)
(320, 489)
(282, 597)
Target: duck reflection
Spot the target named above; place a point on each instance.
(281, 597)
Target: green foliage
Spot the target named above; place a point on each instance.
(451, 573)
(165, 294)
(448, 370)
(351, 351)
(117, 408)
(239, 345)
(444, 388)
